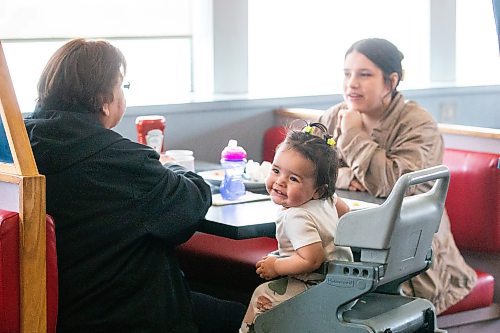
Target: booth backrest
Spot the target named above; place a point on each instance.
(473, 202)
(272, 138)
(10, 275)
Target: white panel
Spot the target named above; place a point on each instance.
(489, 145)
(230, 46)
(443, 41)
(9, 197)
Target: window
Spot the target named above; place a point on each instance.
(294, 47)
(155, 37)
(299, 46)
(26, 61)
(478, 59)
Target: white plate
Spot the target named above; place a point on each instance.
(358, 204)
(213, 175)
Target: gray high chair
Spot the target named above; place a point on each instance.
(395, 244)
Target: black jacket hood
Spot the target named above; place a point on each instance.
(81, 137)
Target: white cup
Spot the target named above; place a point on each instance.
(182, 157)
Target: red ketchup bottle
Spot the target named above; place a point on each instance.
(150, 131)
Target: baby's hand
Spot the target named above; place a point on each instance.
(265, 268)
(257, 265)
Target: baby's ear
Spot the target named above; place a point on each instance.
(320, 191)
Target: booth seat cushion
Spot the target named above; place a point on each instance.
(480, 296)
(473, 200)
(272, 138)
(203, 257)
(9, 273)
(52, 275)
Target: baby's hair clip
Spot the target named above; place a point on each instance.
(307, 129)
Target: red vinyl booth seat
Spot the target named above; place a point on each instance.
(473, 205)
(473, 200)
(272, 138)
(9, 273)
(203, 257)
(480, 296)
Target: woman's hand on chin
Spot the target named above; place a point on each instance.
(348, 119)
(355, 185)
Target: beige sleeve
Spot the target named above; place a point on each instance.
(329, 118)
(344, 178)
(378, 169)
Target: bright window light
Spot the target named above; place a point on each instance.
(155, 37)
(299, 46)
(478, 59)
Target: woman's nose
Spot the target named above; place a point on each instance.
(352, 81)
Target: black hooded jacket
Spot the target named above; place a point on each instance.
(119, 215)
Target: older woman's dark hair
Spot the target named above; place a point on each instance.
(317, 150)
(81, 74)
(382, 53)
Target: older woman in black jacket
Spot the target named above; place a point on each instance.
(119, 212)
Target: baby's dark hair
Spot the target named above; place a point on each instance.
(314, 143)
